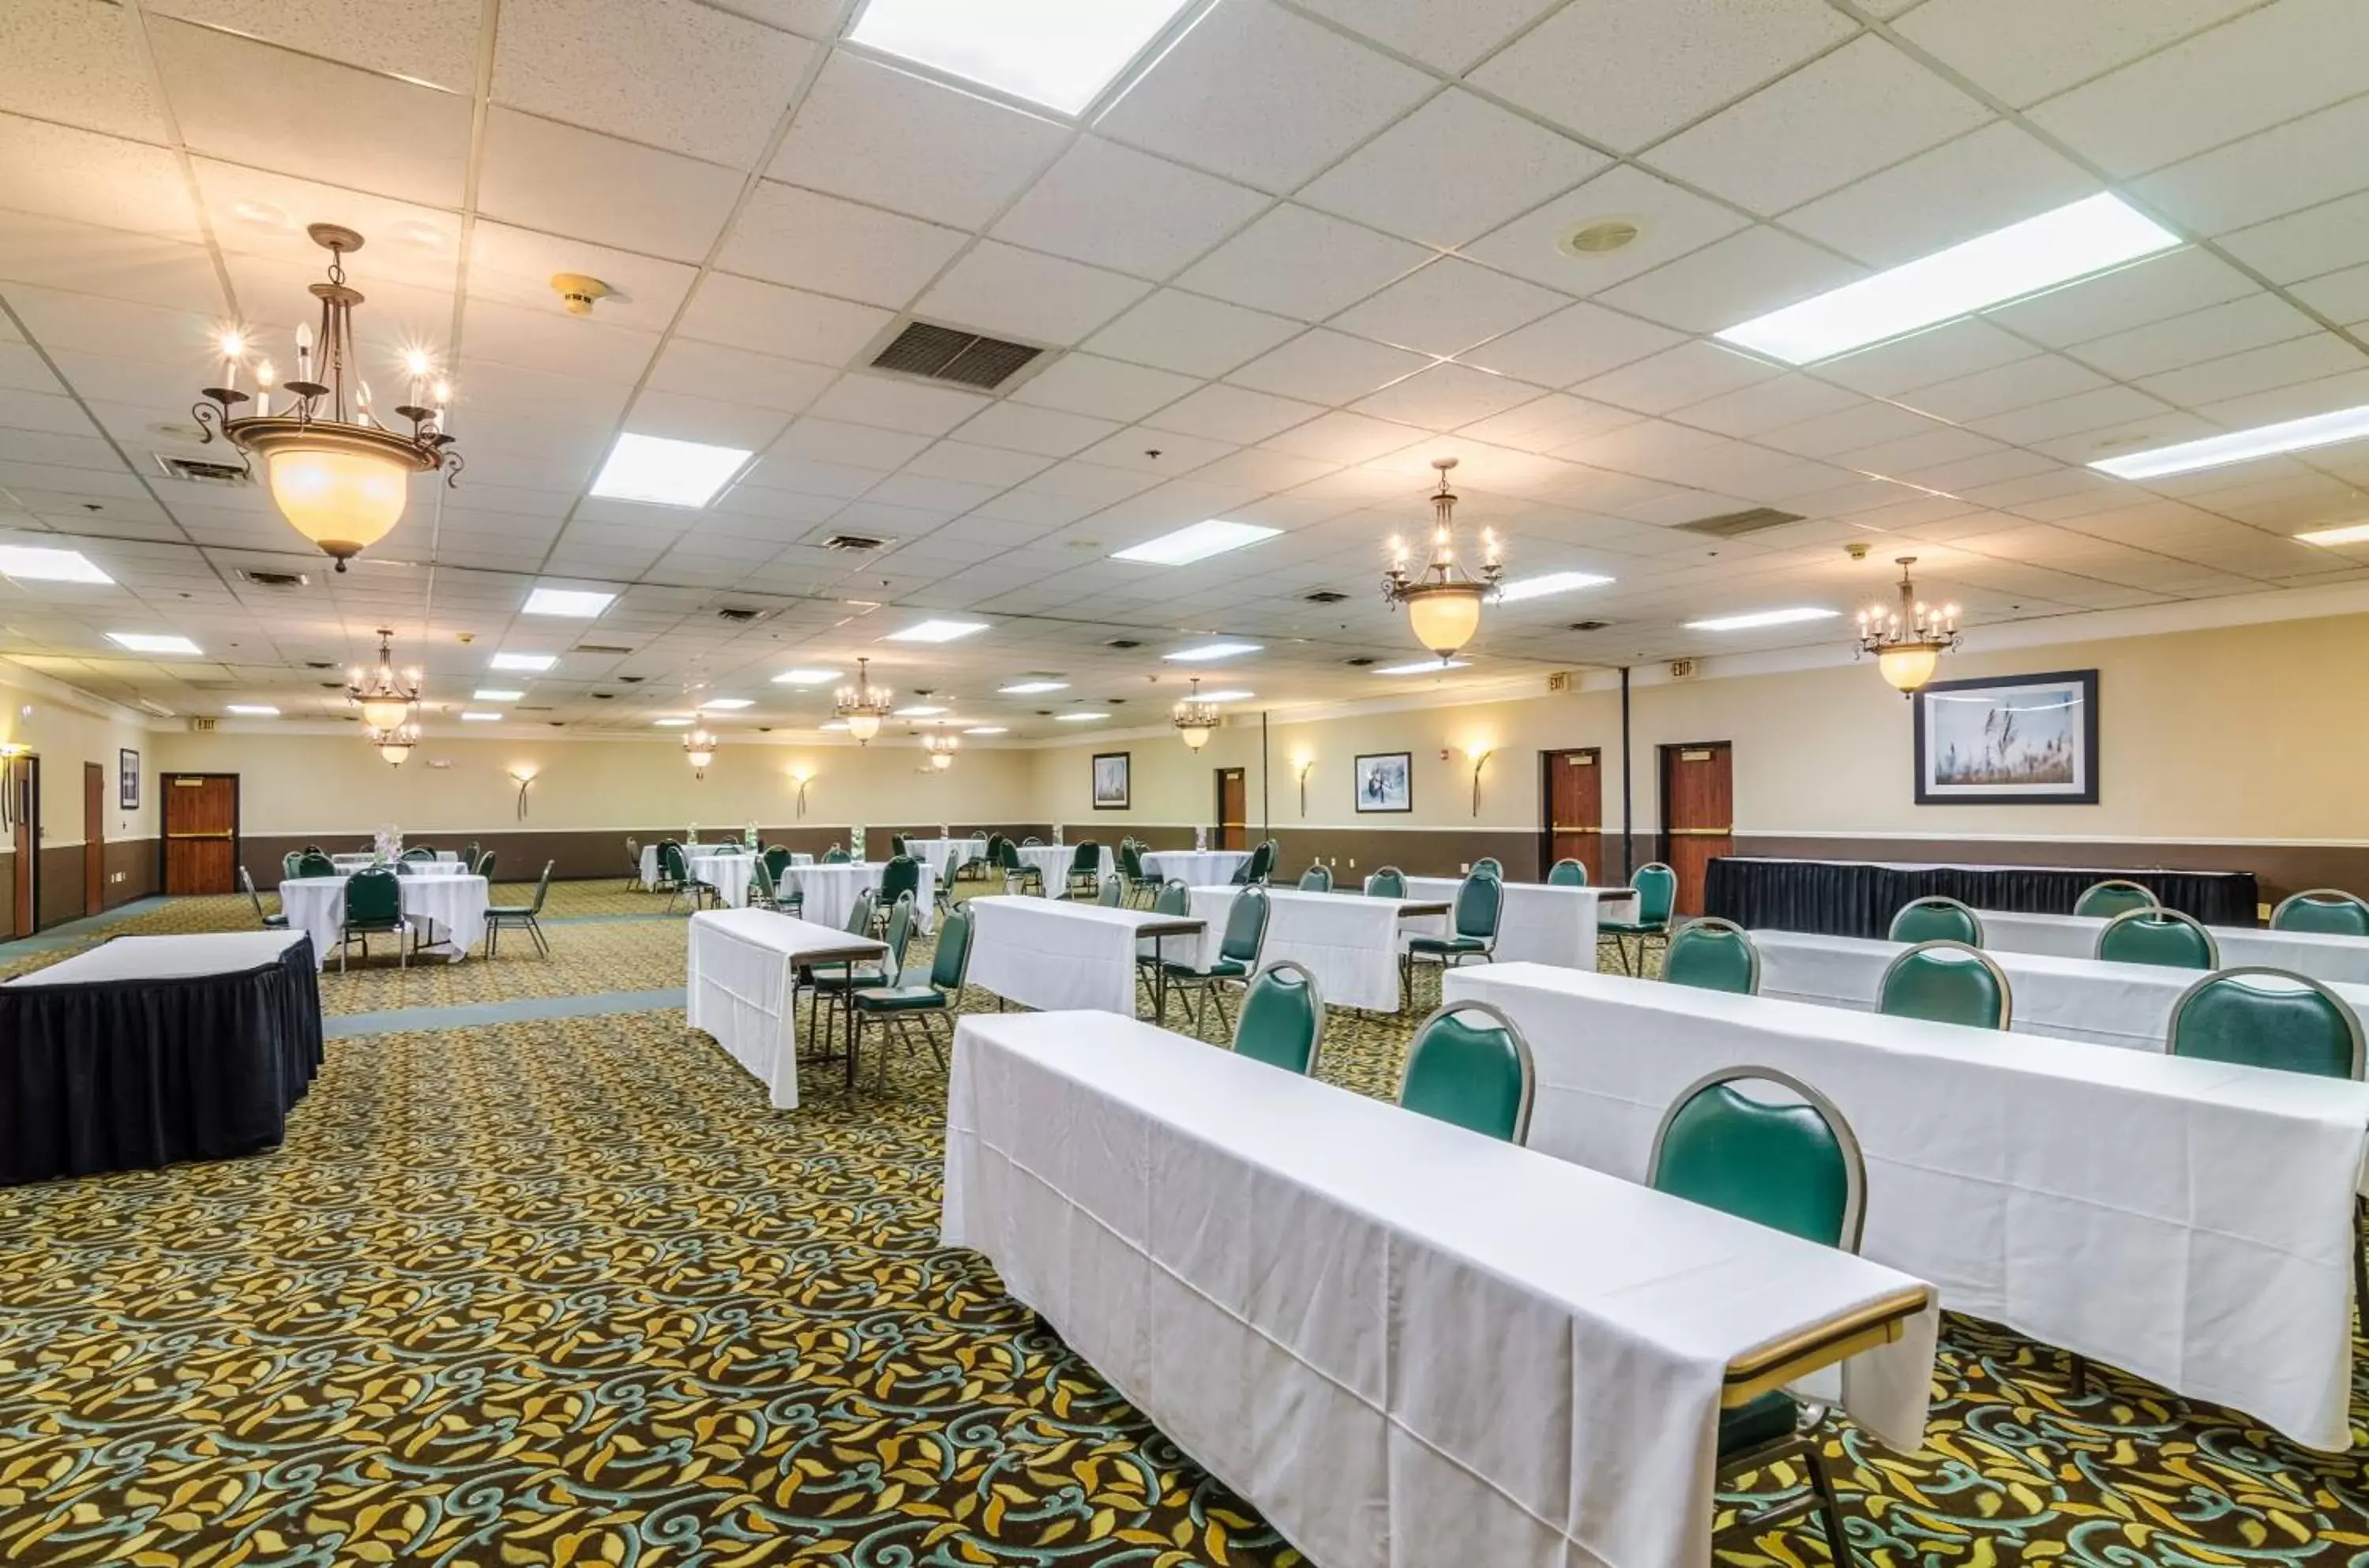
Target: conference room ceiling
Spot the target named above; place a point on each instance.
(1295, 253)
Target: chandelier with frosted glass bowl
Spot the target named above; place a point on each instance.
(699, 750)
(395, 743)
(1194, 719)
(387, 700)
(338, 475)
(1907, 641)
(1443, 603)
(941, 748)
(861, 706)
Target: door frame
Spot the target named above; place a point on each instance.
(28, 822)
(1546, 760)
(1218, 777)
(94, 838)
(1664, 755)
(165, 778)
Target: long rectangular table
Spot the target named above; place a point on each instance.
(2189, 1220)
(1349, 941)
(1405, 1344)
(1061, 953)
(740, 986)
(151, 1050)
(1849, 897)
(2323, 956)
(1538, 924)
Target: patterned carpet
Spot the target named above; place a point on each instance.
(566, 1291)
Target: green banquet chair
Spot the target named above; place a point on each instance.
(483, 866)
(1472, 933)
(633, 863)
(1017, 873)
(1567, 874)
(1263, 861)
(1657, 892)
(834, 856)
(2159, 936)
(1130, 868)
(1282, 1019)
(269, 923)
(520, 915)
(1711, 954)
(1388, 882)
(896, 845)
(666, 866)
(313, 863)
(900, 879)
(1489, 866)
(2329, 911)
(1173, 896)
(1114, 892)
(1476, 1075)
(1085, 875)
(1237, 960)
(1316, 879)
(898, 1007)
(1937, 919)
(1947, 982)
(373, 906)
(2114, 896)
(289, 865)
(833, 984)
(419, 852)
(674, 873)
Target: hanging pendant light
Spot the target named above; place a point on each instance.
(699, 747)
(940, 747)
(1194, 719)
(861, 706)
(1443, 605)
(339, 476)
(388, 702)
(394, 742)
(1907, 642)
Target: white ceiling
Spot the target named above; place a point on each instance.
(1310, 248)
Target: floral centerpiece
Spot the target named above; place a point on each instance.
(855, 844)
(691, 837)
(386, 845)
(748, 835)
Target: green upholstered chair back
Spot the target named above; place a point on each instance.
(761, 877)
(1714, 954)
(374, 899)
(900, 933)
(469, 852)
(1657, 892)
(1389, 882)
(1245, 927)
(1785, 1159)
(1174, 897)
(902, 874)
(673, 864)
(2104, 901)
(1316, 879)
(1282, 1019)
(419, 852)
(777, 860)
(1946, 983)
(994, 855)
(1937, 919)
(1112, 893)
(313, 863)
(834, 856)
(950, 966)
(897, 845)
(1086, 858)
(859, 913)
(1032, 841)
(1489, 866)
(1470, 1065)
(1263, 861)
(484, 866)
(1007, 855)
(1130, 861)
(1479, 904)
(2268, 1018)
(2328, 910)
(542, 888)
(289, 863)
(2159, 936)
(1566, 874)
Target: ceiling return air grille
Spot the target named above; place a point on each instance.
(952, 354)
(1735, 524)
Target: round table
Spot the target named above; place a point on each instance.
(452, 905)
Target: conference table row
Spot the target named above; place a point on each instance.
(2323, 956)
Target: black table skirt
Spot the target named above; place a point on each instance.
(1858, 898)
(132, 1075)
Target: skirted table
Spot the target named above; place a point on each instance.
(1859, 897)
(152, 1050)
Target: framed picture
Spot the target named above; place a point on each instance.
(1111, 781)
(2014, 741)
(1385, 781)
(127, 778)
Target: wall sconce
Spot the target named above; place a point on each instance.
(801, 777)
(1300, 767)
(1480, 755)
(522, 777)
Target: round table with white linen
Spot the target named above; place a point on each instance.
(452, 909)
(829, 890)
(1053, 861)
(650, 859)
(1194, 869)
(360, 859)
(729, 874)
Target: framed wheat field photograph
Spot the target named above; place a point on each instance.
(2009, 741)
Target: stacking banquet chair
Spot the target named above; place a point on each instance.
(1389, 882)
(2159, 936)
(373, 904)
(1946, 983)
(901, 881)
(2103, 900)
(944, 893)
(896, 845)
(764, 893)
(1469, 1066)
(483, 866)
(2328, 910)
(288, 863)
(1489, 866)
(834, 856)
(898, 1007)
(674, 872)
(1792, 1164)
(419, 852)
(1017, 873)
(313, 863)
(469, 852)
(1657, 891)
(777, 860)
(1472, 933)
(1237, 960)
(833, 984)
(269, 923)
(1712, 954)
(1937, 919)
(1316, 879)
(1085, 878)
(1242, 877)
(633, 863)
(1113, 894)
(1263, 861)
(523, 915)
(1130, 868)
(667, 865)
(1282, 1021)
(1566, 874)
(1171, 897)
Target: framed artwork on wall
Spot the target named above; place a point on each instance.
(1111, 780)
(2010, 741)
(127, 779)
(1384, 781)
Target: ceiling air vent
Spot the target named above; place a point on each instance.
(855, 544)
(200, 471)
(741, 617)
(632, 679)
(1587, 625)
(1733, 525)
(1325, 596)
(950, 353)
(597, 648)
(274, 579)
(1122, 641)
(1359, 662)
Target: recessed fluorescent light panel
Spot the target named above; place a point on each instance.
(2007, 264)
(1197, 542)
(150, 642)
(474, 717)
(834, 723)
(805, 677)
(1060, 54)
(33, 564)
(666, 473)
(522, 661)
(1761, 618)
(938, 631)
(1079, 718)
(1030, 688)
(1205, 652)
(1424, 666)
(1553, 582)
(920, 710)
(2240, 446)
(252, 710)
(2356, 534)
(715, 703)
(576, 602)
(495, 694)
(987, 730)
(671, 723)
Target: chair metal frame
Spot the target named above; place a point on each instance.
(2007, 992)
(1521, 1134)
(348, 935)
(1940, 900)
(1324, 884)
(1315, 995)
(2175, 917)
(269, 923)
(1567, 859)
(2116, 882)
(1710, 923)
(497, 916)
(895, 1019)
(1213, 984)
(2315, 896)
(1368, 885)
(1636, 970)
(1487, 954)
(633, 859)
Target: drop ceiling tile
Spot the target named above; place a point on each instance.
(1046, 431)
(2344, 296)
(2250, 322)
(1446, 307)
(2306, 244)
(2025, 50)
(810, 476)
(514, 266)
(1733, 280)
(1261, 469)
(745, 314)
(676, 416)
(1989, 179)
(1669, 220)
(549, 340)
(712, 370)
(1572, 345)
(1676, 377)
(1177, 331)
(1551, 423)
(1448, 36)
(2039, 378)
(1156, 453)
(896, 405)
(1118, 208)
(2297, 165)
(1847, 429)
(1938, 353)
(1341, 437)
(56, 172)
(1327, 367)
(1043, 299)
(811, 241)
(1675, 61)
(2070, 416)
(1766, 406)
(1302, 264)
(2171, 284)
(113, 263)
(975, 465)
(1447, 398)
(1452, 170)
(427, 41)
(1232, 413)
(564, 180)
(1083, 384)
(74, 63)
(2257, 370)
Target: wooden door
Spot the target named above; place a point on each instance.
(93, 838)
(201, 832)
(1233, 809)
(1698, 814)
(24, 788)
(1573, 793)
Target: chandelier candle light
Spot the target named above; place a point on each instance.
(389, 701)
(1195, 718)
(861, 707)
(1907, 642)
(940, 747)
(1443, 603)
(338, 475)
(700, 747)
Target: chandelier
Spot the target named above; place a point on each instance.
(1907, 642)
(1443, 603)
(387, 702)
(699, 746)
(1194, 719)
(861, 706)
(395, 741)
(338, 475)
(940, 747)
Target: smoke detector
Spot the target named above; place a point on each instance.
(577, 292)
(1599, 236)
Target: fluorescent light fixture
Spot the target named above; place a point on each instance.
(938, 631)
(920, 710)
(2357, 533)
(1060, 54)
(1198, 543)
(2239, 446)
(1235, 696)
(672, 723)
(472, 716)
(805, 677)
(1203, 653)
(2005, 264)
(988, 730)
(1424, 666)
(580, 604)
(727, 703)
(1079, 717)
(495, 694)
(252, 710)
(150, 642)
(1030, 688)
(522, 661)
(666, 473)
(34, 564)
(834, 723)
(1761, 618)
(1553, 582)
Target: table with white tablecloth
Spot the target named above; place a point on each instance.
(649, 861)
(729, 874)
(2189, 1220)
(1194, 869)
(362, 858)
(1063, 953)
(1052, 862)
(2321, 954)
(936, 851)
(740, 986)
(830, 892)
(446, 913)
(1539, 924)
(1350, 943)
(1406, 1344)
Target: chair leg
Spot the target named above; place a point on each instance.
(1839, 1544)
(2076, 1372)
(535, 928)
(2360, 1263)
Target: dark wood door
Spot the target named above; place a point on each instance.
(1698, 814)
(1574, 797)
(24, 777)
(201, 832)
(93, 838)
(1233, 809)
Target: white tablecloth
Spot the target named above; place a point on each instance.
(358, 859)
(1059, 953)
(1406, 1344)
(1052, 862)
(935, 851)
(1350, 943)
(831, 890)
(729, 874)
(650, 859)
(740, 983)
(166, 958)
(1541, 924)
(452, 907)
(2318, 954)
(2189, 1220)
(1194, 869)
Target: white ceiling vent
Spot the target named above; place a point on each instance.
(955, 355)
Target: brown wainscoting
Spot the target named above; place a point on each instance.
(1418, 851)
(7, 904)
(135, 861)
(61, 885)
(2279, 869)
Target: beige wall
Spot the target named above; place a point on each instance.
(67, 730)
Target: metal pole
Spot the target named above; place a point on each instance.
(1627, 788)
(1263, 831)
